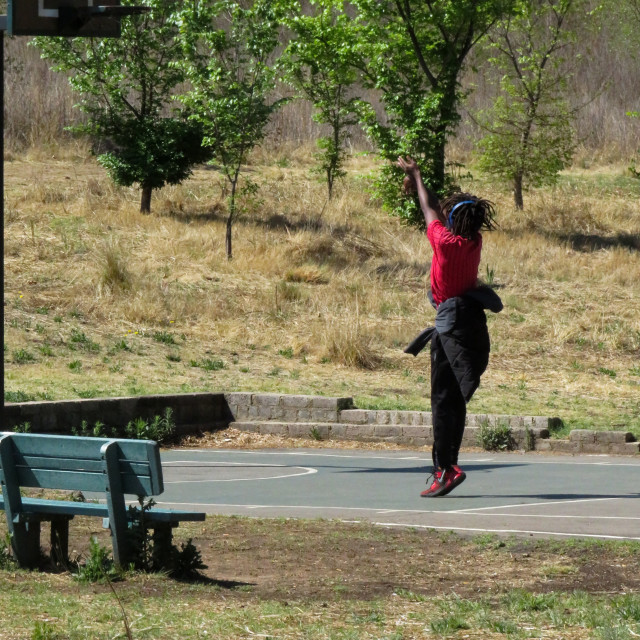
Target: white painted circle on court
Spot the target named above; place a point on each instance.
(289, 472)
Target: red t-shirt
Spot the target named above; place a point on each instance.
(454, 269)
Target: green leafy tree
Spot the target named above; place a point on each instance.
(414, 52)
(318, 62)
(228, 51)
(125, 86)
(530, 128)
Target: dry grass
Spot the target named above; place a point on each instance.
(320, 298)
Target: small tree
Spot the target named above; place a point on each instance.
(414, 52)
(228, 51)
(126, 86)
(530, 135)
(318, 62)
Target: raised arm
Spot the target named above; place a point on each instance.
(429, 202)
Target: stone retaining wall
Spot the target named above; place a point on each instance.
(302, 416)
(396, 433)
(192, 412)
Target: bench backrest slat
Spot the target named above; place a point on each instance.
(82, 481)
(79, 465)
(70, 462)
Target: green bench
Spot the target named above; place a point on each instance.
(112, 467)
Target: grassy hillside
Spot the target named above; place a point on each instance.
(320, 297)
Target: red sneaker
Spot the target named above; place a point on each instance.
(457, 478)
(439, 485)
(444, 482)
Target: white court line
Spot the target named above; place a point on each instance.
(537, 504)
(305, 472)
(217, 463)
(547, 516)
(527, 531)
(411, 525)
(382, 511)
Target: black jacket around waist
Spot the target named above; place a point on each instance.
(461, 324)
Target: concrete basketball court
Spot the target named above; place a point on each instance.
(505, 494)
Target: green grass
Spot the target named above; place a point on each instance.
(207, 364)
(19, 396)
(159, 608)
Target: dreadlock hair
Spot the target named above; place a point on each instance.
(466, 214)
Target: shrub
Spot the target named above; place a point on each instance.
(495, 438)
(43, 630)
(208, 364)
(114, 275)
(186, 562)
(347, 344)
(162, 429)
(6, 559)
(18, 396)
(80, 339)
(164, 337)
(183, 562)
(99, 430)
(22, 356)
(99, 565)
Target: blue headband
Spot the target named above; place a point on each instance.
(454, 208)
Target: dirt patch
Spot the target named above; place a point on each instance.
(325, 561)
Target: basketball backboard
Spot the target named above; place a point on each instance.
(71, 18)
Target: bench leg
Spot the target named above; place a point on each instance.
(162, 538)
(60, 540)
(25, 542)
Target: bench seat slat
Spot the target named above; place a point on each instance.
(171, 515)
(68, 507)
(61, 507)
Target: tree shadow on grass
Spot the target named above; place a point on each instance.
(587, 242)
(214, 213)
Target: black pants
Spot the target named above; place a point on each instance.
(449, 396)
(448, 408)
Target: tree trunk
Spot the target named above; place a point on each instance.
(228, 238)
(145, 199)
(232, 210)
(517, 192)
(439, 165)
(330, 182)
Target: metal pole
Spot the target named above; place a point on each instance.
(2, 211)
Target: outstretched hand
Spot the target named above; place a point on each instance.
(409, 166)
(429, 203)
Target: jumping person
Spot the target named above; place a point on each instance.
(460, 339)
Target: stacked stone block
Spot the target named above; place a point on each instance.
(286, 408)
(588, 441)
